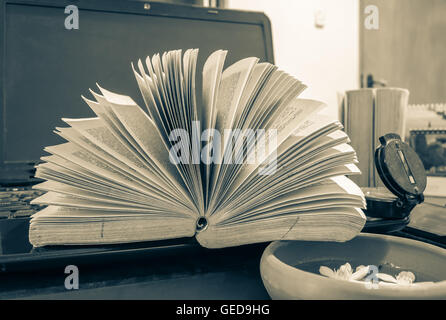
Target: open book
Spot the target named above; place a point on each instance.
(246, 161)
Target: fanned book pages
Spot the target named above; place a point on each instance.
(245, 161)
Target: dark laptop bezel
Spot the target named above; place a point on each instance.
(22, 173)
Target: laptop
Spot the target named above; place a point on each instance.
(46, 67)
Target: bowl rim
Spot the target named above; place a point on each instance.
(269, 254)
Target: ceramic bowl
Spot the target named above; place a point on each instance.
(289, 269)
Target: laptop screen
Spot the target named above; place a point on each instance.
(46, 67)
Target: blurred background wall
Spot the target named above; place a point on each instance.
(324, 57)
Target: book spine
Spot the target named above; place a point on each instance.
(359, 119)
(390, 116)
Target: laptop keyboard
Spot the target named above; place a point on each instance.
(15, 202)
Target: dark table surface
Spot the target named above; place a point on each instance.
(179, 271)
(189, 272)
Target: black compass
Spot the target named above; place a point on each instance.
(404, 177)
